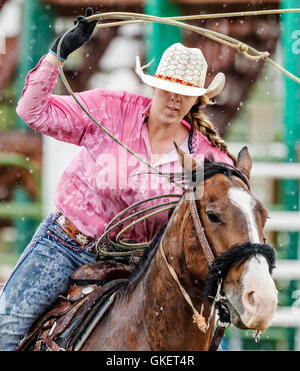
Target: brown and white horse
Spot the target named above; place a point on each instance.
(151, 313)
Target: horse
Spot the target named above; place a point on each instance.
(210, 255)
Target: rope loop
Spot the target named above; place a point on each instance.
(244, 50)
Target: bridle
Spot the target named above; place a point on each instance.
(218, 300)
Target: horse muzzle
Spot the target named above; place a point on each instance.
(259, 295)
(253, 300)
(248, 289)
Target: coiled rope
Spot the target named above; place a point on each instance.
(131, 18)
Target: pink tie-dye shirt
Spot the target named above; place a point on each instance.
(103, 178)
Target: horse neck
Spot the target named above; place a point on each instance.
(167, 317)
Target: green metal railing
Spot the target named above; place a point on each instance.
(290, 26)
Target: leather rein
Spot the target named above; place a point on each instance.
(198, 318)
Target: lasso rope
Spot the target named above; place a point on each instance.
(208, 16)
(243, 48)
(128, 246)
(246, 50)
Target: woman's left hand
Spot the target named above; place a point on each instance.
(76, 38)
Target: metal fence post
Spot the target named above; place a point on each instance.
(290, 37)
(158, 36)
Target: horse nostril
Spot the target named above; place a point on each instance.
(251, 298)
(249, 301)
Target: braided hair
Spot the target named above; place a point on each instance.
(199, 121)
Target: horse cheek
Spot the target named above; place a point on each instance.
(195, 261)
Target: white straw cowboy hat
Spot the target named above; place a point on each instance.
(182, 70)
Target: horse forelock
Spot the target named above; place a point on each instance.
(211, 168)
(192, 178)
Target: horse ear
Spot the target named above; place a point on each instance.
(244, 162)
(187, 162)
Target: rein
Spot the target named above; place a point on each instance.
(198, 318)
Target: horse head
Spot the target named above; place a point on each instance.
(233, 221)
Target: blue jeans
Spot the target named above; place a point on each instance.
(40, 276)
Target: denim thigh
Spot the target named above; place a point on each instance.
(40, 276)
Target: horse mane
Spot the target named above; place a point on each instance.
(140, 268)
(210, 169)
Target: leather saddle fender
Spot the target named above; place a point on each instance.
(90, 286)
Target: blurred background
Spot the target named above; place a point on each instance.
(259, 107)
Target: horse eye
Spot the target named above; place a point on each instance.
(213, 218)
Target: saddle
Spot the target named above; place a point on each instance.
(73, 316)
